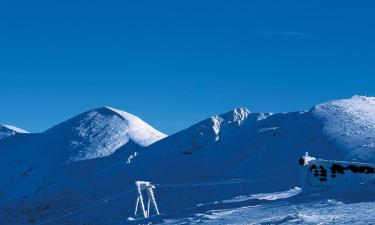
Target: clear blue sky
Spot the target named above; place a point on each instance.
(174, 63)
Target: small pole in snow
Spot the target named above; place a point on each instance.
(142, 185)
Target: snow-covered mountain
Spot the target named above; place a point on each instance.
(37, 162)
(99, 133)
(219, 158)
(9, 130)
(241, 144)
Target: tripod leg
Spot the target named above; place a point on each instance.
(141, 202)
(148, 207)
(136, 206)
(152, 196)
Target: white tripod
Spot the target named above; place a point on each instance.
(142, 185)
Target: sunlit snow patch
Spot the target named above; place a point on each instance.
(267, 196)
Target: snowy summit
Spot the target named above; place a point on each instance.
(100, 132)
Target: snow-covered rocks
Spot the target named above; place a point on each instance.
(236, 116)
(9, 130)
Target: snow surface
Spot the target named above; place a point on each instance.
(351, 123)
(9, 130)
(317, 212)
(241, 161)
(267, 196)
(35, 164)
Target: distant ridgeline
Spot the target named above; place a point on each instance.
(319, 175)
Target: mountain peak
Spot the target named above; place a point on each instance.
(100, 132)
(237, 115)
(240, 114)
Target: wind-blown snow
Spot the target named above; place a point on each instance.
(9, 130)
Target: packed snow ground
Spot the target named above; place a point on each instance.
(323, 211)
(219, 169)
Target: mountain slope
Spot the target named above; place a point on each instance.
(350, 123)
(233, 145)
(247, 142)
(9, 130)
(36, 163)
(260, 146)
